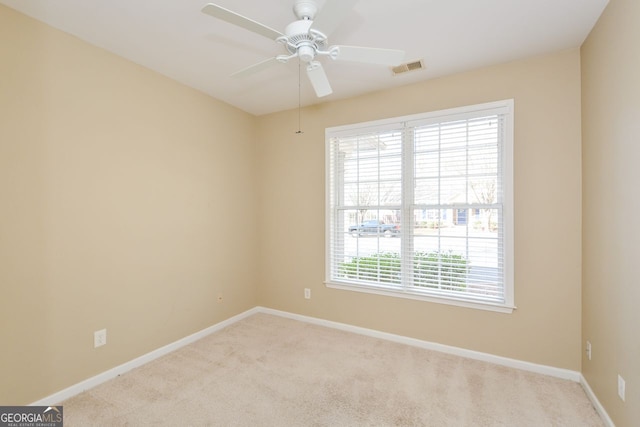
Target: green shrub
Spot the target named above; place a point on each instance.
(381, 267)
(443, 270)
(440, 270)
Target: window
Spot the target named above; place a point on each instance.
(421, 206)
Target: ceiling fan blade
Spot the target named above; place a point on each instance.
(252, 69)
(331, 15)
(369, 55)
(241, 21)
(318, 79)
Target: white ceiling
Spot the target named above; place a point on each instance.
(174, 38)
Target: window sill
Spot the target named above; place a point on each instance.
(500, 308)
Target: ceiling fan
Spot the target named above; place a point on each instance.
(306, 39)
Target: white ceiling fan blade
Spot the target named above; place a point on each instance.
(331, 15)
(252, 69)
(369, 55)
(241, 21)
(318, 79)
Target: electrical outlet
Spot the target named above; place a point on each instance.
(99, 338)
(588, 350)
(307, 293)
(621, 387)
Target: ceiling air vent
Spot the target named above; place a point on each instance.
(408, 66)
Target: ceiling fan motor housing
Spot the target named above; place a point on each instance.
(302, 41)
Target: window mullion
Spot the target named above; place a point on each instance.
(407, 223)
(378, 201)
(338, 231)
(466, 191)
(439, 216)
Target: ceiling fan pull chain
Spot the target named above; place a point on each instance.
(299, 103)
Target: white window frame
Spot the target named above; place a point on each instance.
(505, 107)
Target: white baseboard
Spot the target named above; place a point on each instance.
(89, 383)
(470, 354)
(595, 402)
(498, 360)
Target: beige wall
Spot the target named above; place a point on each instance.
(546, 326)
(126, 203)
(130, 202)
(611, 205)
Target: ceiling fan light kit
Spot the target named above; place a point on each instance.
(306, 39)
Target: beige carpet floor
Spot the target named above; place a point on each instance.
(271, 371)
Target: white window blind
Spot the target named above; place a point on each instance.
(421, 206)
